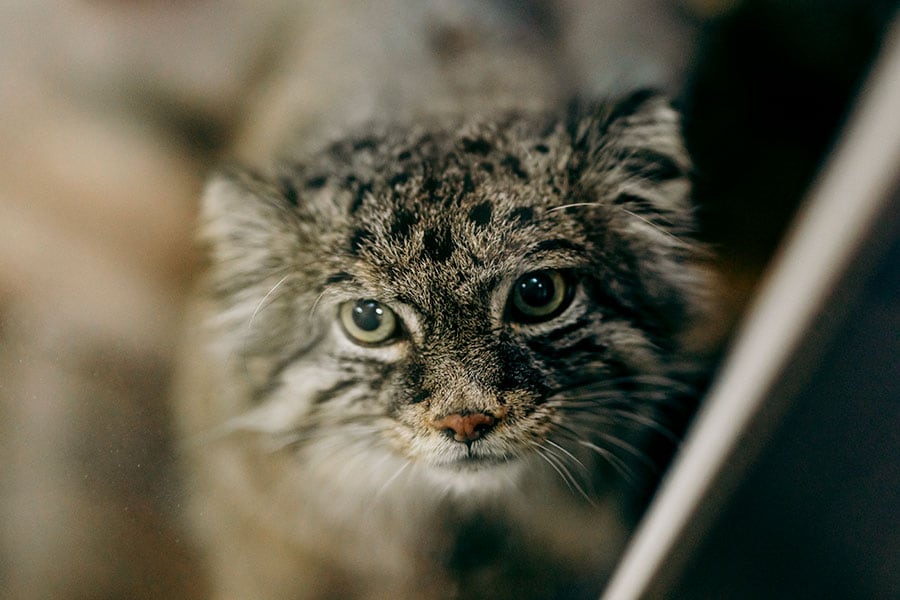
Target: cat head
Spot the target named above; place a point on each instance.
(488, 292)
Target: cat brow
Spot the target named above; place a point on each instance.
(552, 245)
(339, 277)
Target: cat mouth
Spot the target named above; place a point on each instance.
(476, 455)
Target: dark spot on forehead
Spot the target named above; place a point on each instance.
(430, 184)
(515, 165)
(468, 185)
(316, 182)
(523, 214)
(398, 178)
(289, 190)
(487, 167)
(366, 143)
(550, 128)
(481, 213)
(406, 154)
(359, 238)
(403, 223)
(478, 146)
(542, 148)
(339, 149)
(361, 190)
(438, 244)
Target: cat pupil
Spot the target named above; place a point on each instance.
(536, 289)
(367, 315)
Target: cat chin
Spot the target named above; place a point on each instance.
(473, 478)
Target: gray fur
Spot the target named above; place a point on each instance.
(317, 470)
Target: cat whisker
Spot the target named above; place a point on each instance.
(647, 397)
(620, 417)
(278, 444)
(572, 205)
(580, 439)
(266, 297)
(569, 454)
(647, 421)
(604, 415)
(614, 461)
(558, 465)
(661, 382)
(315, 304)
(392, 479)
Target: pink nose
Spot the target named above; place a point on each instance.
(466, 428)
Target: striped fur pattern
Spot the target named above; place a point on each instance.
(317, 468)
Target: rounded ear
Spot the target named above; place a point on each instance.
(629, 157)
(247, 220)
(630, 154)
(643, 118)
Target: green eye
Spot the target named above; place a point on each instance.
(368, 322)
(539, 296)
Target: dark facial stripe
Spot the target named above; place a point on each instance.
(631, 104)
(565, 330)
(329, 393)
(259, 395)
(340, 277)
(478, 146)
(316, 182)
(580, 346)
(652, 165)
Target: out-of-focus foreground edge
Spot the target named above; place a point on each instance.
(850, 193)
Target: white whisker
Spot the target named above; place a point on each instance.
(656, 227)
(392, 478)
(315, 304)
(559, 466)
(572, 205)
(614, 461)
(266, 297)
(569, 454)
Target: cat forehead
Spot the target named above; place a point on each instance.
(459, 203)
(460, 241)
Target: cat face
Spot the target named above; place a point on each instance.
(491, 293)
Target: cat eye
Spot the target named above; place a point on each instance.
(368, 322)
(539, 296)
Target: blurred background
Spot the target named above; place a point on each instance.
(113, 111)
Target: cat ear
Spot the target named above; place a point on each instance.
(629, 157)
(247, 220)
(630, 153)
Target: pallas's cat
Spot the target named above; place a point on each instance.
(444, 360)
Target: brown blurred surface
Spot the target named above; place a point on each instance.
(111, 113)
